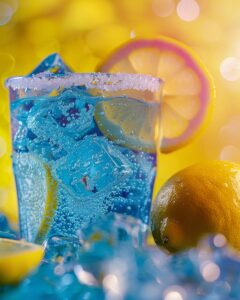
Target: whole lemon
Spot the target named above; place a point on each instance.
(201, 199)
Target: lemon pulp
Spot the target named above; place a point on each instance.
(129, 122)
(17, 260)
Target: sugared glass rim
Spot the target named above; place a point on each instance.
(101, 81)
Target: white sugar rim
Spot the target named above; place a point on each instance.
(101, 81)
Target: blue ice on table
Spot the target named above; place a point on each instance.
(115, 229)
(111, 262)
(61, 249)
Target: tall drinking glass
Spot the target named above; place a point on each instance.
(84, 145)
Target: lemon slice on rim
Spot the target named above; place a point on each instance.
(38, 196)
(188, 88)
(129, 122)
(17, 260)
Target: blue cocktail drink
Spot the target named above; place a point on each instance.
(84, 145)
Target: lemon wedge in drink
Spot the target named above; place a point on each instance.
(38, 196)
(17, 260)
(129, 122)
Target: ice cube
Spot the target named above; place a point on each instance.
(52, 64)
(115, 229)
(61, 249)
(54, 282)
(74, 114)
(57, 124)
(93, 168)
(123, 271)
(41, 127)
(112, 258)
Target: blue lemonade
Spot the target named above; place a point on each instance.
(76, 157)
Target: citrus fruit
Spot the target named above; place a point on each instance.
(129, 122)
(17, 259)
(187, 91)
(201, 199)
(39, 203)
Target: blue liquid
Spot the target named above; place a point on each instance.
(58, 147)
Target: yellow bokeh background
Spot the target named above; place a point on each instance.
(84, 32)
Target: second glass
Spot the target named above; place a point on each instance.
(84, 145)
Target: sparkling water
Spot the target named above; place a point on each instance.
(67, 172)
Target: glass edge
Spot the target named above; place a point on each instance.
(9, 82)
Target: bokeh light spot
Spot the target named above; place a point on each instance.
(188, 10)
(111, 283)
(132, 34)
(230, 68)
(6, 12)
(3, 147)
(163, 8)
(219, 240)
(210, 271)
(173, 296)
(174, 293)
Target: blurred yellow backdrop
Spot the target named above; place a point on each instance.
(86, 31)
